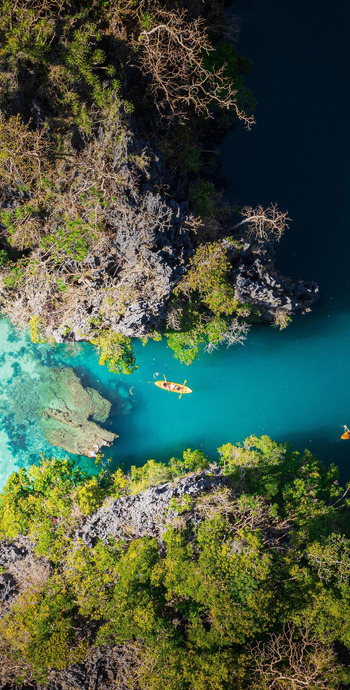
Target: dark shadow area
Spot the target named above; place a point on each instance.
(325, 443)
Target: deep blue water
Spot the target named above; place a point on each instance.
(291, 385)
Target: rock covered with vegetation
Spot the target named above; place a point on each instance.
(187, 575)
(149, 511)
(111, 226)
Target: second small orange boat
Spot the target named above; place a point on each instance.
(346, 435)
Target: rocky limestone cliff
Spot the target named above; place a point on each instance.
(256, 281)
(147, 513)
(129, 517)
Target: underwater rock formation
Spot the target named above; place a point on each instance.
(55, 400)
(65, 408)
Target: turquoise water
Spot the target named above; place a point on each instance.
(23, 364)
(291, 385)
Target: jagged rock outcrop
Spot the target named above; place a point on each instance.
(101, 670)
(20, 568)
(11, 552)
(147, 256)
(257, 282)
(146, 513)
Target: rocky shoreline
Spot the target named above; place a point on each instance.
(258, 282)
(95, 249)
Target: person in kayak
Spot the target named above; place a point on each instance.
(346, 435)
(174, 387)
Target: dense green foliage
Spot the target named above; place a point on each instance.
(116, 351)
(249, 587)
(203, 303)
(32, 500)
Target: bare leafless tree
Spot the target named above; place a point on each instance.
(331, 558)
(263, 224)
(24, 153)
(236, 333)
(173, 54)
(293, 660)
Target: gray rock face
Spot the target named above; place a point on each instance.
(13, 552)
(101, 670)
(149, 252)
(147, 513)
(14, 559)
(257, 281)
(8, 587)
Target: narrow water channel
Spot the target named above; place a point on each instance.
(292, 385)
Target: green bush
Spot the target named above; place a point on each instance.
(201, 196)
(90, 495)
(203, 303)
(40, 629)
(38, 502)
(115, 351)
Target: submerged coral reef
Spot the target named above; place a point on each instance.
(65, 408)
(56, 400)
(34, 381)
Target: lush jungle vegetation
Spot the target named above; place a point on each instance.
(110, 224)
(244, 585)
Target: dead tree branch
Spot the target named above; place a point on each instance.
(263, 224)
(292, 660)
(174, 52)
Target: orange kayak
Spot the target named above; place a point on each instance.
(173, 387)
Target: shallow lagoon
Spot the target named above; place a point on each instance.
(291, 385)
